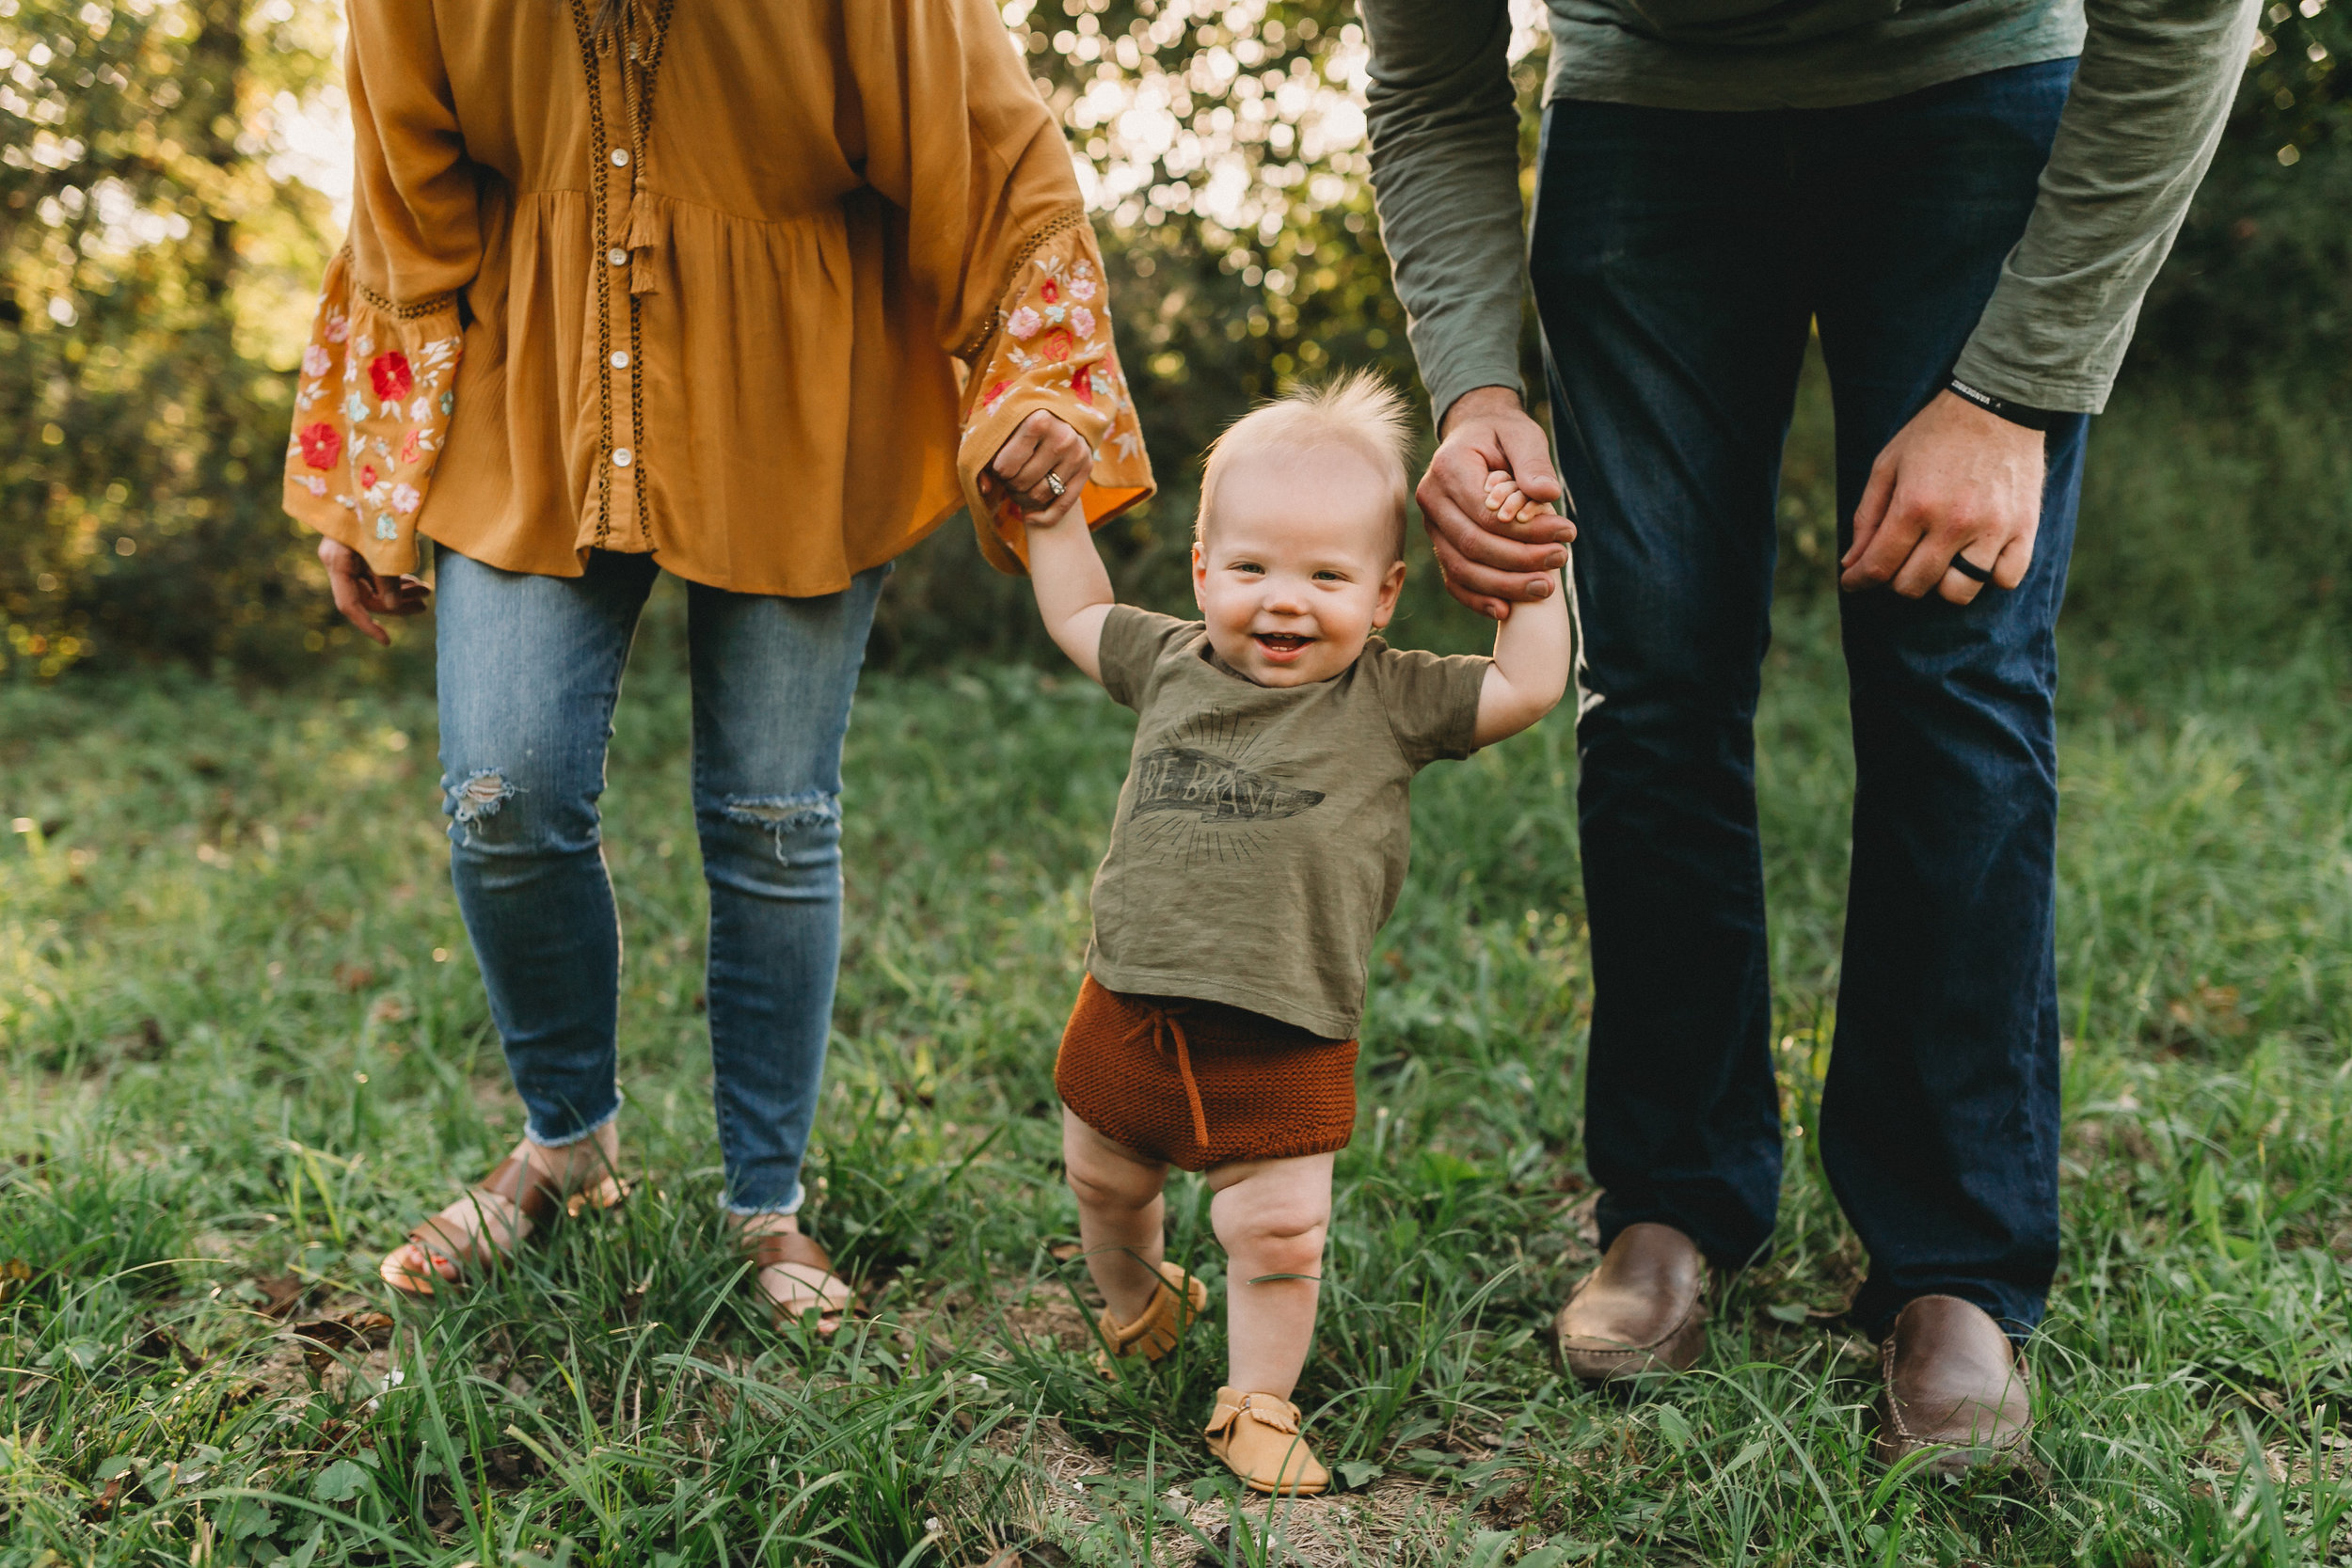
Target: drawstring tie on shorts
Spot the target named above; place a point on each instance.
(1164, 1027)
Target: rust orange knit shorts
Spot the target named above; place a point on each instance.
(1201, 1084)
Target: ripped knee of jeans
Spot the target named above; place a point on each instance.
(813, 815)
(480, 796)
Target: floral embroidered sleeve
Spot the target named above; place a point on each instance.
(1049, 346)
(372, 411)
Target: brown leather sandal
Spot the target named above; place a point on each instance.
(536, 1197)
(768, 1248)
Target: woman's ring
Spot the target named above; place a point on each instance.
(1053, 482)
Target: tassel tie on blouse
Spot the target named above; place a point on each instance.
(1168, 1028)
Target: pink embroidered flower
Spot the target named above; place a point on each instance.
(1023, 324)
(338, 327)
(1050, 291)
(407, 499)
(408, 449)
(1057, 344)
(368, 476)
(390, 372)
(1082, 320)
(321, 444)
(314, 360)
(316, 485)
(1081, 289)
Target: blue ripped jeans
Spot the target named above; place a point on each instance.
(530, 668)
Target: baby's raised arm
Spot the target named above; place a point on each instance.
(1073, 592)
(1533, 648)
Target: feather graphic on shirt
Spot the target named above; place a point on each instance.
(1182, 778)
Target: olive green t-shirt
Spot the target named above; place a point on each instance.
(1262, 833)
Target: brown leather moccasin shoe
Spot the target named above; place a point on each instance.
(1955, 1388)
(1642, 1312)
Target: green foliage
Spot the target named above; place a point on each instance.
(243, 1048)
(157, 262)
(152, 270)
(2261, 279)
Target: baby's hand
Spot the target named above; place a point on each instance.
(1508, 502)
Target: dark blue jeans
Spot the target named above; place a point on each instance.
(1678, 258)
(530, 669)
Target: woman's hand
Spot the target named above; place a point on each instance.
(1040, 453)
(361, 595)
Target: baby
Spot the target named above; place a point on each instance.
(1260, 844)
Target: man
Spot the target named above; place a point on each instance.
(1970, 216)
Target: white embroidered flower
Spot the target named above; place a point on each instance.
(338, 327)
(1054, 313)
(1081, 319)
(386, 528)
(1023, 324)
(314, 360)
(406, 499)
(364, 347)
(316, 485)
(420, 410)
(1082, 286)
(355, 407)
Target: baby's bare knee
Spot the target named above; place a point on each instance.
(1112, 1186)
(1285, 1236)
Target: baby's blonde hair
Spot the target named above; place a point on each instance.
(1359, 412)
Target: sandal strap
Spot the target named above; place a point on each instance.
(768, 1248)
(535, 1194)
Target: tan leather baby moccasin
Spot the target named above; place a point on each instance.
(1258, 1437)
(1158, 1326)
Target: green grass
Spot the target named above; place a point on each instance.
(245, 1047)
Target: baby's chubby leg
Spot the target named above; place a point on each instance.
(1119, 1215)
(1271, 1217)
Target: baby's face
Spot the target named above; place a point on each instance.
(1298, 565)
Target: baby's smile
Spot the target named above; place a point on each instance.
(1282, 646)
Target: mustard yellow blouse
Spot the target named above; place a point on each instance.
(756, 286)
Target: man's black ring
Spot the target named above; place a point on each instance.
(1970, 570)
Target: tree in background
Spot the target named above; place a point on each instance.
(158, 256)
(154, 273)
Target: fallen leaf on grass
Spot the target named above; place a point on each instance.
(388, 1009)
(162, 1344)
(14, 1276)
(282, 1293)
(323, 1337)
(354, 977)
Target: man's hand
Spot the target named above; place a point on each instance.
(361, 595)
(1491, 562)
(1956, 482)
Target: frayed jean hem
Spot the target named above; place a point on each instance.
(569, 1138)
(748, 1211)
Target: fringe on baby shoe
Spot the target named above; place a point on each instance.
(1158, 1326)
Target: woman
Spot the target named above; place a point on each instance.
(757, 294)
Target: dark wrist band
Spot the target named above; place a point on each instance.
(2015, 413)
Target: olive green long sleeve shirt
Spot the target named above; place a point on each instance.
(2149, 99)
